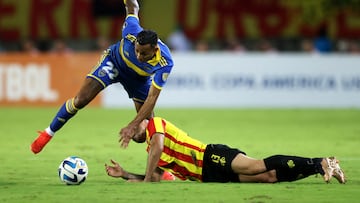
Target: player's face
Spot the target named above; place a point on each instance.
(144, 52)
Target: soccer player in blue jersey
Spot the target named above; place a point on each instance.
(140, 62)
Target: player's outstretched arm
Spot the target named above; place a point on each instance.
(132, 7)
(128, 132)
(157, 146)
(116, 171)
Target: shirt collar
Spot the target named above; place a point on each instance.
(156, 58)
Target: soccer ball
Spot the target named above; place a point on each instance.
(73, 170)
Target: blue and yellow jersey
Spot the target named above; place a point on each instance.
(182, 155)
(124, 51)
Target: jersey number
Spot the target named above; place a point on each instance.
(218, 159)
(110, 71)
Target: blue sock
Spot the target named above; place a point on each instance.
(67, 111)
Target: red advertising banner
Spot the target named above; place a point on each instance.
(44, 79)
(52, 19)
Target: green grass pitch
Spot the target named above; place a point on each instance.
(93, 135)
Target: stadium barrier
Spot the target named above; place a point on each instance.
(43, 79)
(228, 80)
(211, 80)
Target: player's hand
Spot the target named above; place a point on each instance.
(115, 170)
(126, 134)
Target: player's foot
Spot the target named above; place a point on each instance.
(40, 142)
(167, 176)
(337, 172)
(331, 169)
(328, 170)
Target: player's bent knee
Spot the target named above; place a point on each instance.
(71, 107)
(271, 176)
(80, 101)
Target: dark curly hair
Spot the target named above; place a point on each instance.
(147, 37)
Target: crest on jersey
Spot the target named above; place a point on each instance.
(124, 25)
(165, 76)
(102, 73)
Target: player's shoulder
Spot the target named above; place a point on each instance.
(165, 53)
(156, 124)
(156, 119)
(163, 47)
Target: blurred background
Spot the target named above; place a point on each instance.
(33, 31)
(201, 25)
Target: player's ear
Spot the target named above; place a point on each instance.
(156, 48)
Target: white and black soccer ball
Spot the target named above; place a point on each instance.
(73, 170)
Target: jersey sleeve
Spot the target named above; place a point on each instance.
(155, 125)
(160, 76)
(131, 26)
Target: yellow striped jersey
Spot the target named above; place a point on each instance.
(182, 155)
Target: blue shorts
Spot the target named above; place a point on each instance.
(108, 71)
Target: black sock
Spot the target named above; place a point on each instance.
(290, 168)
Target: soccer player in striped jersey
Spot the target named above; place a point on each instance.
(139, 61)
(171, 149)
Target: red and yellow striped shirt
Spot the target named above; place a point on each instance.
(182, 155)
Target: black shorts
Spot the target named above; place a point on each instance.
(217, 163)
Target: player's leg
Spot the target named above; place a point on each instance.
(288, 168)
(291, 168)
(255, 171)
(96, 81)
(266, 177)
(87, 93)
(246, 165)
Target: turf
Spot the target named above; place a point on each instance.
(93, 135)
